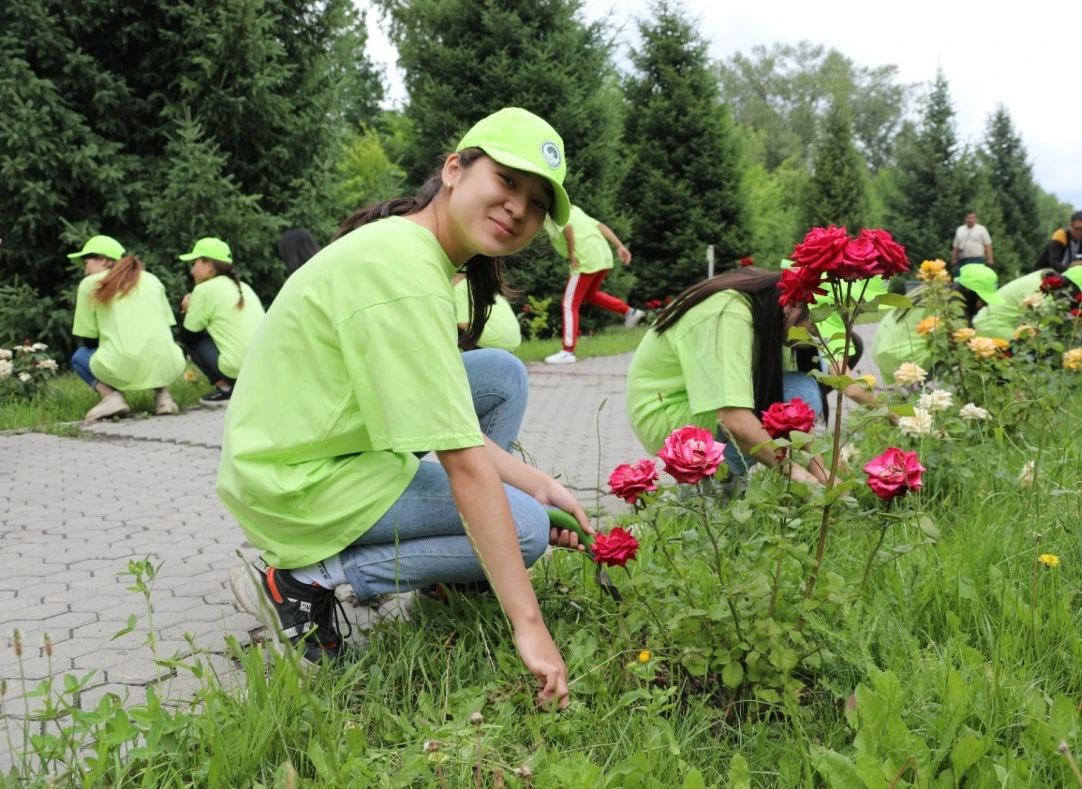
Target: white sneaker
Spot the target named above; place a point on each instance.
(631, 320)
(561, 357)
(113, 404)
(164, 405)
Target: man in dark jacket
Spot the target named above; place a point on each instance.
(1065, 246)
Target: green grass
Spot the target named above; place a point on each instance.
(609, 341)
(68, 398)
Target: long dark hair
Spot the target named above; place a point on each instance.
(122, 277)
(484, 274)
(223, 269)
(296, 247)
(760, 289)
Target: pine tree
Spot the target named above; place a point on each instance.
(933, 188)
(1010, 180)
(464, 59)
(837, 193)
(685, 184)
(94, 92)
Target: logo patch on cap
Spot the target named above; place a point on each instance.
(551, 154)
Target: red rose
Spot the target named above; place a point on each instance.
(628, 482)
(799, 284)
(747, 261)
(892, 257)
(691, 453)
(782, 418)
(894, 473)
(860, 260)
(1053, 282)
(615, 548)
(821, 250)
(527, 308)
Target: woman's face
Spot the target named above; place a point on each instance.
(92, 264)
(202, 270)
(796, 317)
(494, 209)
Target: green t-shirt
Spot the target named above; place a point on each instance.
(591, 248)
(501, 329)
(1000, 320)
(354, 370)
(135, 344)
(896, 342)
(213, 307)
(682, 377)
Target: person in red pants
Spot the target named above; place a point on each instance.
(585, 242)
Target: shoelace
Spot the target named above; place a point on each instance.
(320, 613)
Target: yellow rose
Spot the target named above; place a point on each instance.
(1072, 359)
(982, 347)
(1025, 332)
(964, 335)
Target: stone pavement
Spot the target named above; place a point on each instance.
(74, 511)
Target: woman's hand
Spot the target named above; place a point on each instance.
(553, 494)
(538, 651)
(184, 303)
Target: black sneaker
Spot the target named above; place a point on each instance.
(290, 610)
(217, 397)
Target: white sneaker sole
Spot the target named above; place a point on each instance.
(248, 594)
(117, 410)
(563, 360)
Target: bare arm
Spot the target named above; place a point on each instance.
(486, 514)
(954, 256)
(747, 431)
(988, 254)
(569, 237)
(611, 237)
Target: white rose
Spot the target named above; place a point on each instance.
(920, 424)
(5, 368)
(972, 411)
(909, 374)
(24, 377)
(5, 353)
(936, 400)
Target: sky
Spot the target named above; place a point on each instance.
(1021, 57)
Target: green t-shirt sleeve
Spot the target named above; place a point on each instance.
(167, 310)
(716, 359)
(86, 319)
(462, 302)
(407, 375)
(198, 315)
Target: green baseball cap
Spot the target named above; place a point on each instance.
(517, 138)
(1074, 273)
(210, 247)
(982, 280)
(105, 246)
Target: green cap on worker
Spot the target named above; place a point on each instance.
(982, 280)
(100, 246)
(212, 248)
(517, 138)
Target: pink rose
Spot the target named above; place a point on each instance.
(822, 249)
(628, 481)
(691, 453)
(859, 261)
(800, 285)
(614, 549)
(892, 257)
(894, 473)
(782, 418)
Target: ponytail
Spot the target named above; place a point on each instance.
(484, 274)
(226, 270)
(122, 277)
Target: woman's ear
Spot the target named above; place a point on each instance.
(452, 170)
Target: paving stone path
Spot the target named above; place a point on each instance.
(74, 511)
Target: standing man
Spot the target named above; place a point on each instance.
(972, 244)
(585, 243)
(1064, 248)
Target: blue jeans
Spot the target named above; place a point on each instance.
(80, 362)
(793, 384)
(421, 540)
(204, 354)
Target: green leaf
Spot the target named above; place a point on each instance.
(131, 626)
(739, 774)
(695, 664)
(1063, 719)
(905, 409)
(733, 674)
(836, 381)
(892, 300)
(838, 771)
(798, 333)
(927, 525)
(966, 753)
(694, 780)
